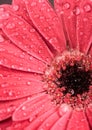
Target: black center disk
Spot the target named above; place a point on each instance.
(75, 79)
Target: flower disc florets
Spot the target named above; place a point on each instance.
(69, 79)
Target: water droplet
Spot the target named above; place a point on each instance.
(4, 15)
(15, 7)
(39, 51)
(28, 83)
(29, 69)
(53, 40)
(1, 9)
(32, 30)
(87, 8)
(21, 23)
(23, 108)
(4, 85)
(11, 108)
(1, 38)
(31, 119)
(33, 4)
(41, 17)
(22, 55)
(41, 1)
(10, 93)
(36, 16)
(24, 114)
(76, 10)
(10, 25)
(66, 5)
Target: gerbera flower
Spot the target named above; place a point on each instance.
(46, 65)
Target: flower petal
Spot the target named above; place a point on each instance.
(48, 123)
(7, 108)
(84, 26)
(78, 121)
(5, 124)
(89, 114)
(41, 12)
(64, 9)
(38, 121)
(25, 36)
(15, 58)
(61, 124)
(18, 125)
(77, 16)
(19, 8)
(16, 84)
(31, 108)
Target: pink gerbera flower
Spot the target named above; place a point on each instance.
(46, 65)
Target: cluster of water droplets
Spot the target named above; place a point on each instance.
(77, 10)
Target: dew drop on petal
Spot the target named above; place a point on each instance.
(10, 93)
(15, 7)
(63, 109)
(52, 40)
(1, 9)
(87, 8)
(28, 83)
(32, 30)
(4, 15)
(21, 23)
(76, 10)
(36, 16)
(1, 38)
(66, 5)
(23, 108)
(33, 4)
(4, 85)
(10, 25)
(41, 1)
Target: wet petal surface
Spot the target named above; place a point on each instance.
(78, 121)
(31, 108)
(41, 12)
(28, 40)
(77, 17)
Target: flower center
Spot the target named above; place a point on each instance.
(75, 79)
(69, 78)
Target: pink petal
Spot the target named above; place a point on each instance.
(84, 26)
(38, 121)
(41, 12)
(25, 36)
(18, 6)
(78, 22)
(89, 114)
(61, 124)
(64, 108)
(78, 121)
(5, 124)
(7, 108)
(12, 92)
(48, 123)
(13, 57)
(31, 108)
(18, 125)
(16, 84)
(64, 9)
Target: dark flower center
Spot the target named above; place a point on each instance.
(69, 79)
(75, 79)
